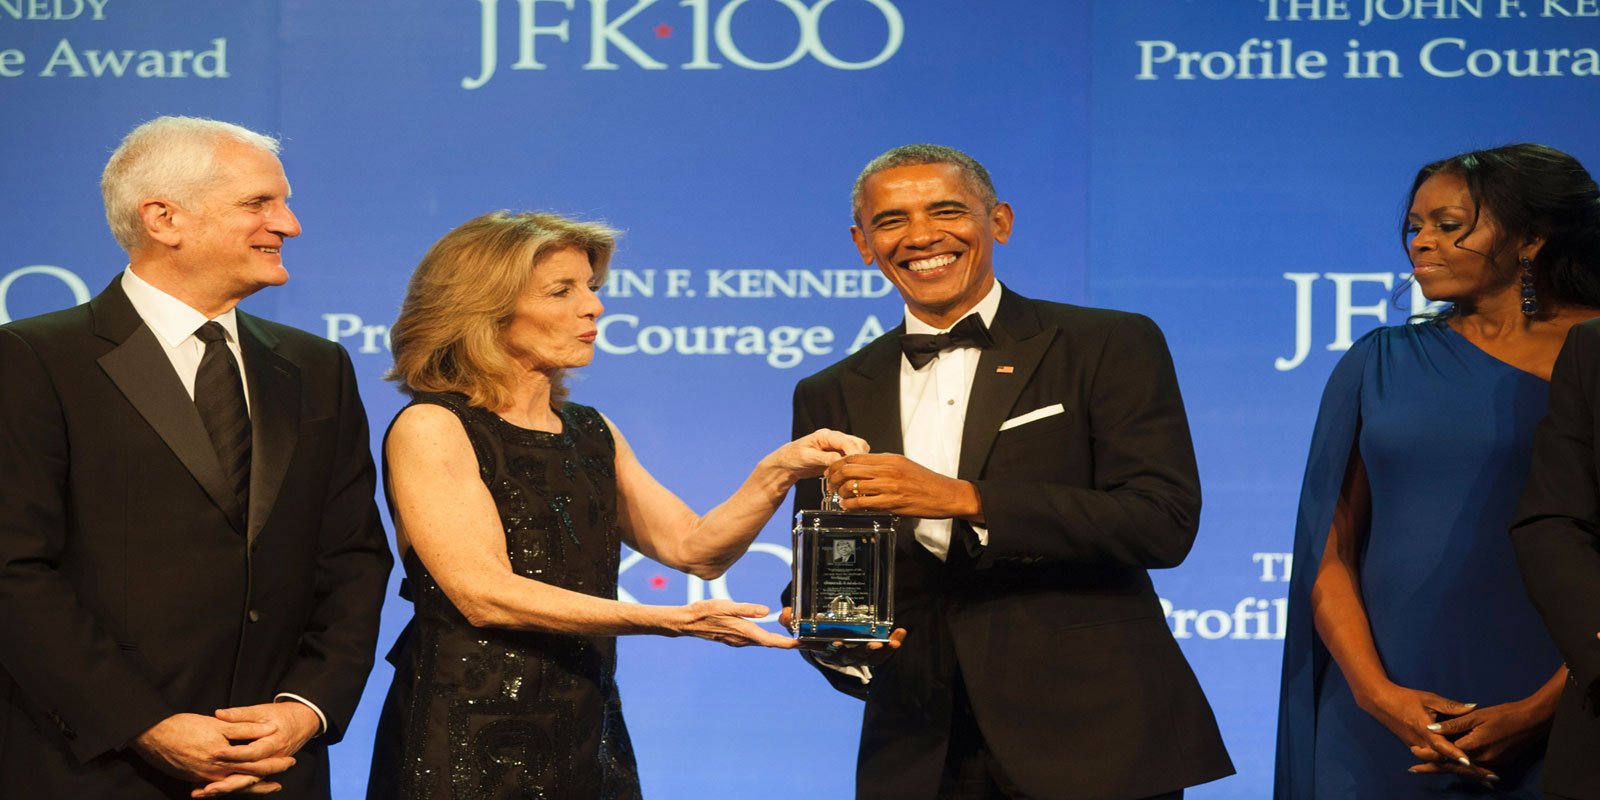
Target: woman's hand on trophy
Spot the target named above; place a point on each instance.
(847, 654)
(810, 455)
(728, 622)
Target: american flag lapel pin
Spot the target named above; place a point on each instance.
(1006, 369)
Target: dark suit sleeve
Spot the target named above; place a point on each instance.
(1554, 535)
(808, 495)
(352, 574)
(1144, 506)
(66, 665)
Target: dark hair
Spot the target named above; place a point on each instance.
(915, 155)
(1532, 191)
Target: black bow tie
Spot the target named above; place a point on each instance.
(920, 348)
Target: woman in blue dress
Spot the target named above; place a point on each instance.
(1415, 665)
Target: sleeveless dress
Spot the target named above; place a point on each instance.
(486, 714)
(1446, 434)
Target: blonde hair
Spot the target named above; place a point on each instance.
(169, 157)
(464, 293)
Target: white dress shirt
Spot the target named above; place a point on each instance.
(174, 323)
(933, 412)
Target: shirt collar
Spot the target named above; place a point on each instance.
(985, 309)
(172, 320)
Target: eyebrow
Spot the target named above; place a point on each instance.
(569, 281)
(260, 197)
(886, 213)
(938, 205)
(1410, 214)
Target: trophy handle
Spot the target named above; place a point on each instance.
(830, 498)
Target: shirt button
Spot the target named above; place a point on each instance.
(254, 615)
(950, 402)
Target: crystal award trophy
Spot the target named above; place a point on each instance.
(843, 574)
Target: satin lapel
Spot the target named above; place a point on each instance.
(872, 395)
(274, 417)
(144, 374)
(1002, 372)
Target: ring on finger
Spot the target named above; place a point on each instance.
(855, 488)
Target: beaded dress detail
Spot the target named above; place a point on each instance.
(486, 714)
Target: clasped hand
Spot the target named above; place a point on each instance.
(1488, 735)
(1450, 736)
(233, 751)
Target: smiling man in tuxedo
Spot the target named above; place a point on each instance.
(1039, 456)
(191, 562)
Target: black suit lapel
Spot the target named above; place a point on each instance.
(872, 394)
(143, 373)
(274, 417)
(1019, 343)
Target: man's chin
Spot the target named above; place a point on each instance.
(275, 277)
(263, 280)
(941, 304)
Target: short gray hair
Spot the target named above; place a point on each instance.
(171, 157)
(912, 155)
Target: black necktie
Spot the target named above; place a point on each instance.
(920, 348)
(219, 397)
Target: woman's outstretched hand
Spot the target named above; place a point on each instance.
(728, 622)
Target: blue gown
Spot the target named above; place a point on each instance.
(1446, 433)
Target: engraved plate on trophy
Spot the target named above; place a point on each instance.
(843, 574)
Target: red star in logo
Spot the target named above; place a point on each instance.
(658, 582)
(663, 31)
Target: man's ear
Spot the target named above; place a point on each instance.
(860, 238)
(1001, 217)
(159, 225)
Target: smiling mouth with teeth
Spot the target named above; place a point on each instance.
(271, 250)
(926, 264)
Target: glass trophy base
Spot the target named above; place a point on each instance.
(828, 632)
(843, 574)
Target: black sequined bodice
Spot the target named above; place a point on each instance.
(490, 713)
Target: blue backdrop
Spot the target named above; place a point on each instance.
(1233, 169)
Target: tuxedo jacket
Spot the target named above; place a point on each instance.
(128, 593)
(1558, 550)
(1053, 626)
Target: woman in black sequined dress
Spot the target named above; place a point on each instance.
(510, 506)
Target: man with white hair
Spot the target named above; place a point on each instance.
(191, 562)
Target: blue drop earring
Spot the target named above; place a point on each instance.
(1530, 301)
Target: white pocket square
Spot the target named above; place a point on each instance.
(1032, 416)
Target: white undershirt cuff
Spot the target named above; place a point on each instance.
(282, 696)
